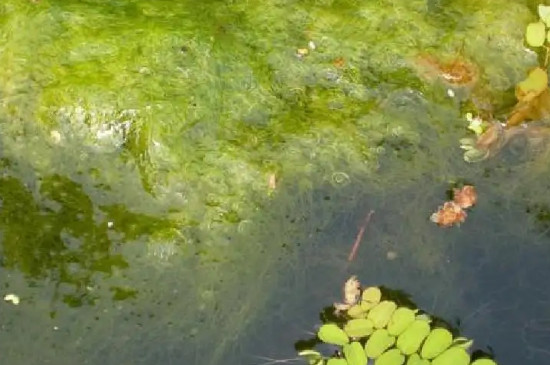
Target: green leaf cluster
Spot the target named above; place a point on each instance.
(379, 330)
(537, 34)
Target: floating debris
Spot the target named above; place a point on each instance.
(465, 197)
(352, 291)
(448, 215)
(12, 298)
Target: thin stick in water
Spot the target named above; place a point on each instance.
(359, 236)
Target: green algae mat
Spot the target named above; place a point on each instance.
(170, 169)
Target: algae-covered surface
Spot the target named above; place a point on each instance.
(181, 181)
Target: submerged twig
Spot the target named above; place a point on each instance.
(359, 236)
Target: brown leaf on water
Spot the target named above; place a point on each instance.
(465, 197)
(533, 99)
(352, 292)
(448, 215)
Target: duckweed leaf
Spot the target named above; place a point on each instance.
(335, 361)
(354, 354)
(378, 342)
(332, 334)
(313, 357)
(485, 361)
(400, 320)
(544, 14)
(409, 341)
(452, 356)
(535, 83)
(535, 34)
(437, 341)
(357, 311)
(462, 342)
(391, 357)
(370, 298)
(361, 327)
(415, 359)
(381, 314)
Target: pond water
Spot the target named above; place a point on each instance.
(181, 182)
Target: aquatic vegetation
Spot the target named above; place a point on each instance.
(392, 334)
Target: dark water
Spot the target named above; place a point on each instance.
(139, 139)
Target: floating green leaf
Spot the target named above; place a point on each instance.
(437, 341)
(415, 359)
(380, 315)
(462, 342)
(370, 298)
(332, 334)
(357, 311)
(361, 327)
(378, 342)
(355, 354)
(391, 357)
(313, 357)
(335, 361)
(485, 361)
(535, 34)
(400, 320)
(452, 356)
(544, 14)
(535, 83)
(409, 341)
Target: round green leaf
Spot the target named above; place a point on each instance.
(452, 356)
(535, 34)
(357, 311)
(415, 359)
(371, 297)
(378, 342)
(409, 341)
(361, 327)
(335, 361)
(485, 361)
(400, 320)
(355, 354)
(544, 14)
(391, 357)
(437, 341)
(332, 334)
(381, 314)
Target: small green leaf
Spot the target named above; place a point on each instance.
(357, 311)
(332, 334)
(535, 34)
(378, 342)
(371, 297)
(355, 354)
(335, 361)
(391, 357)
(409, 341)
(415, 359)
(544, 14)
(381, 314)
(361, 327)
(452, 356)
(437, 341)
(400, 320)
(485, 361)
(462, 342)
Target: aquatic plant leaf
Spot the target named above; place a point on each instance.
(535, 83)
(452, 356)
(544, 14)
(535, 34)
(355, 354)
(400, 320)
(437, 341)
(335, 361)
(332, 334)
(313, 357)
(380, 315)
(391, 357)
(463, 342)
(378, 342)
(357, 311)
(415, 359)
(360, 327)
(409, 341)
(484, 361)
(370, 298)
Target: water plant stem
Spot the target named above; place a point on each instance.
(359, 236)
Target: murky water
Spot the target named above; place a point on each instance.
(181, 182)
